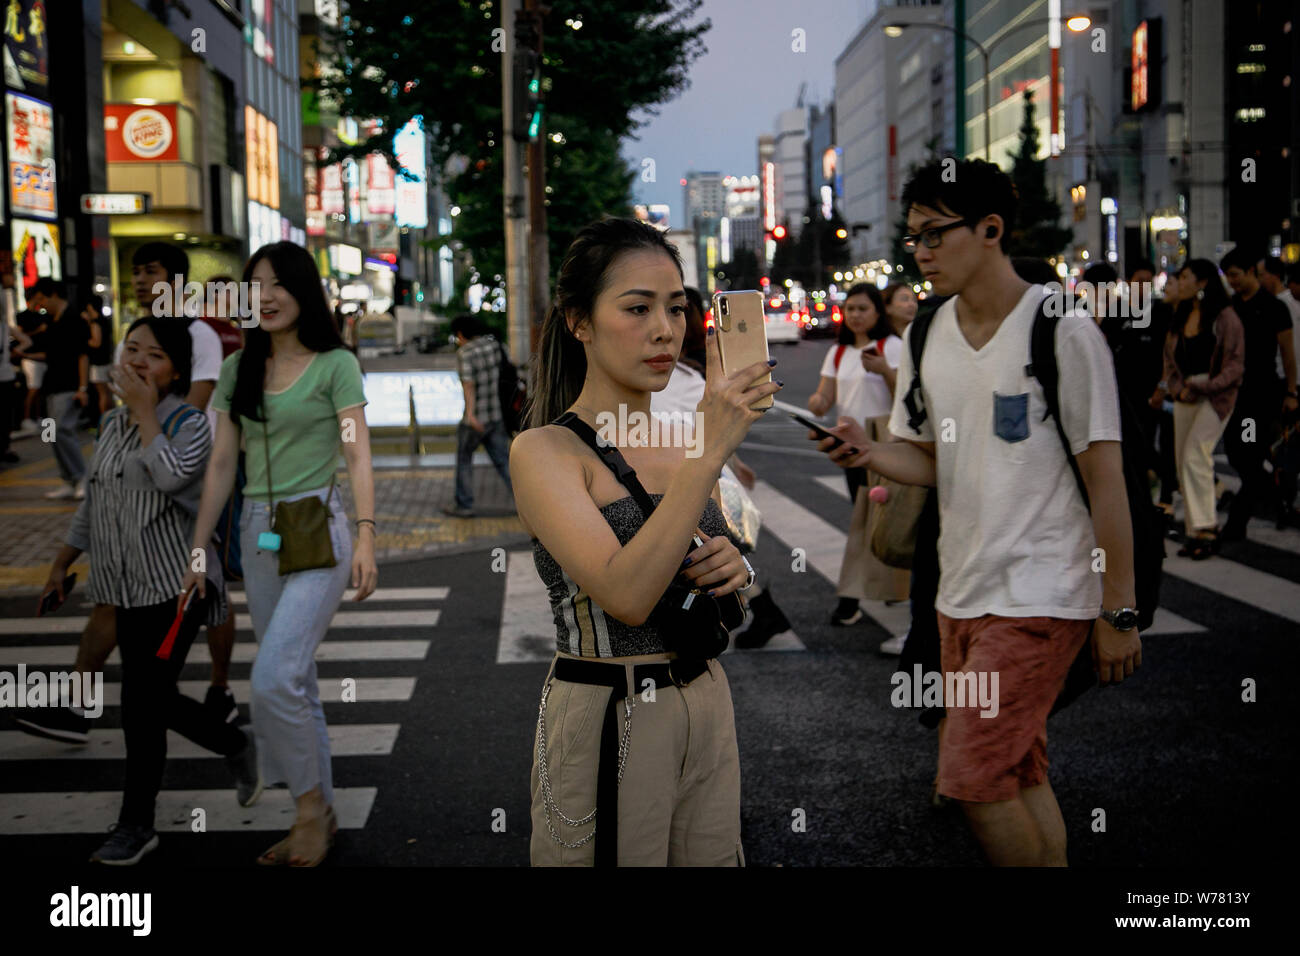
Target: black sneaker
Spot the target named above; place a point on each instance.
(768, 622)
(247, 771)
(221, 701)
(57, 723)
(126, 845)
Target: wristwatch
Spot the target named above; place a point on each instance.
(1121, 619)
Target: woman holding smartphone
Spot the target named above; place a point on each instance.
(670, 767)
(136, 522)
(857, 380)
(294, 393)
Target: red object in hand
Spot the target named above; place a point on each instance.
(165, 649)
(879, 494)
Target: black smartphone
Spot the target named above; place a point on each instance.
(818, 429)
(51, 603)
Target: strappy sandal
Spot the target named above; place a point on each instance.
(280, 854)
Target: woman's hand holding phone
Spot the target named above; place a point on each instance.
(855, 450)
(873, 361)
(716, 566)
(725, 409)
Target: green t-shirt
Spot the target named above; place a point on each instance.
(302, 423)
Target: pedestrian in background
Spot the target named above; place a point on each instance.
(670, 793)
(32, 323)
(63, 348)
(136, 523)
(100, 354)
(857, 381)
(478, 361)
(900, 306)
(1265, 398)
(1203, 364)
(294, 393)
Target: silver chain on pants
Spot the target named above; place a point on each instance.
(544, 776)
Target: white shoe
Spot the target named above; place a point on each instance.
(28, 427)
(69, 490)
(894, 646)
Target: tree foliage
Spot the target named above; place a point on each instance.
(1037, 232)
(391, 61)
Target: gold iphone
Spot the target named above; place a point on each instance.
(742, 334)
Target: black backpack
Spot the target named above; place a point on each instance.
(1145, 517)
(511, 392)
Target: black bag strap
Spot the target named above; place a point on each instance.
(917, 333)
(612, 458)
(1043, 366)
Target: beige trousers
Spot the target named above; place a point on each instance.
(679, 802)
(1197, 428)
(863, 576)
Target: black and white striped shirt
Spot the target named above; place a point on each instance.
(137, 519)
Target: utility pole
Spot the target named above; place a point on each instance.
(512, 148)
(538, 235)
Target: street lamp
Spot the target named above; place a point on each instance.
(1076, 24)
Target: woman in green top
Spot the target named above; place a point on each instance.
(294, 392)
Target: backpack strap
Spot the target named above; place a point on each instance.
(839, 354)
(611, 456)
(1043, 366)
(177, 418)
(917, 333)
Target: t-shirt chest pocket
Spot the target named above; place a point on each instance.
(1018, 409)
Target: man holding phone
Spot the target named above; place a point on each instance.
(1017, 593)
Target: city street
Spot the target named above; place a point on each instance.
(448, 660)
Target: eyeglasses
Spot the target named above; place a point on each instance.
(933, 237)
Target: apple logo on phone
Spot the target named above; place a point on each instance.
(741, 328)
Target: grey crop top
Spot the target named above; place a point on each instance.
(581, 626)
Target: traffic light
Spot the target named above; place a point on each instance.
(528, 95)
(841, 233)
(779, 233)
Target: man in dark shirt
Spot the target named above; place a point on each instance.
(64, 344)
(1263, 400)
(1139, 367)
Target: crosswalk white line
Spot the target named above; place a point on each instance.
(40, 814)
(1230, 579)
(342, 620)
(369, 690)
(61, 655)
(346, 740)
(527, 626)
(380, 594)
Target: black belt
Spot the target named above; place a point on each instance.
(614, 676)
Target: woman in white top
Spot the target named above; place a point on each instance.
(857, 380)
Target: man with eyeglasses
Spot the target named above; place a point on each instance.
(1018, 590)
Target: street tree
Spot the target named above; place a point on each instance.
(1038, 231)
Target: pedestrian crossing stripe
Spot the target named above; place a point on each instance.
(240, 598)
(242, 653)
(346, 740)
(342, 621)
(46, 814)
(367, 690)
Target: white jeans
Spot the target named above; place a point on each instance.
(291, 614)
(1197, 428)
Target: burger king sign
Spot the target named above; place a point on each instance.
(141, 134)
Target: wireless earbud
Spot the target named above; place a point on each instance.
(990, 232)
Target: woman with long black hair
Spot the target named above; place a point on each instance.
(294, 392)
(659, 774)
(1204, 362)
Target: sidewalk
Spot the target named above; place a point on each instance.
(409, 495)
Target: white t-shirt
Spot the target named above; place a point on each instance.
(682, 394)
(1015, 537)
(205, 361)
(860, 394)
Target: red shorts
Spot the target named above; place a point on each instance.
(987, 759)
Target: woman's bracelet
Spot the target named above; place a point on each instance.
(370, 521)
(748, 567)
